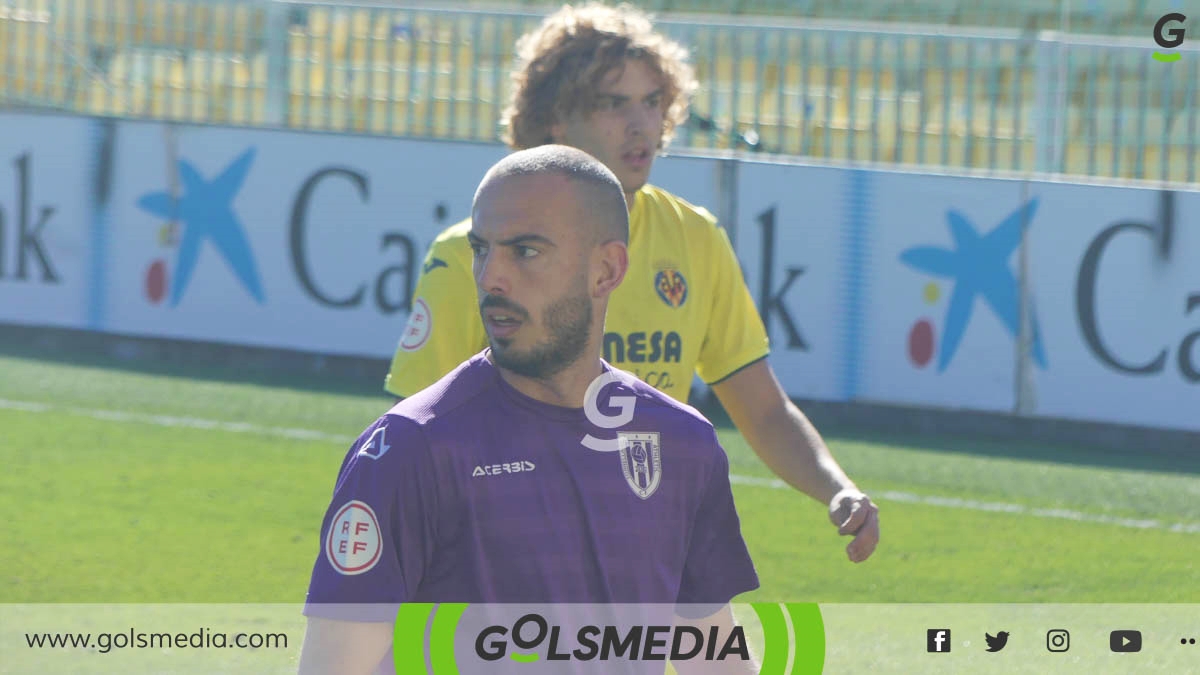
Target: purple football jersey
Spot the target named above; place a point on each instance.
(470, 491)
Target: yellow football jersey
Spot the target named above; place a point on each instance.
(682, 308)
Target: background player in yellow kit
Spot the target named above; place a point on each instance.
(602, 80)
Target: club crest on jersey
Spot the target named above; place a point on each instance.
(671, 287)
(641, 461)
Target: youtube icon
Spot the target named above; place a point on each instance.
(1125, 641)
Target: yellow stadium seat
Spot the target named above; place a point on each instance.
(1102, 157)
(375, 115)
(219, 26)
(346, 102)
(415, 121)
(830, 142)
(30, 45)
(98, 96)
(296, 118)
(1081, 154)
(318, 21)
(178, 26)
(917, 148)
(375, 51)
(297, 44)
(876, 137)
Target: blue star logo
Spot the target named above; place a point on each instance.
(206, 211)
(979, 267)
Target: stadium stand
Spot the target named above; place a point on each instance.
(1105, 17)
(883, 82)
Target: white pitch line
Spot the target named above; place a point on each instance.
(995, 507)
(771, 483)
(171, 421)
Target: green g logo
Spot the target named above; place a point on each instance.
(1168, 38)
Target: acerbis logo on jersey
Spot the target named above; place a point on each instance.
(418, 328)
(354, 542)
(522, 466)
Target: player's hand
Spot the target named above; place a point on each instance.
(856, 515)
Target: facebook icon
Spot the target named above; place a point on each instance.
(937, 640)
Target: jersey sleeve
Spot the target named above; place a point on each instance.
(736, 336)
(444, 328)
(718, 566)
(378, 534)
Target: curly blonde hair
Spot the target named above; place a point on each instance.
(560, 65)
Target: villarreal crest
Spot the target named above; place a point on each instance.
(641, 461)
(671, 287)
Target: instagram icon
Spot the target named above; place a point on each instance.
(1058, 640)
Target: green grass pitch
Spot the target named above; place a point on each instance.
(172, 484)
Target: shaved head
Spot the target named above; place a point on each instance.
(601, 197)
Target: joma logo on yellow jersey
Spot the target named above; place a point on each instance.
(638, 348)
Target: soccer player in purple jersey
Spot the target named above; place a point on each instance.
(603, 79)
(504, 482)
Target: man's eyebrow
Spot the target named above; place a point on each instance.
(526, 239)
(512, 241)
(621, 98)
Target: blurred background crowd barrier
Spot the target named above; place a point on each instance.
(1054, 87)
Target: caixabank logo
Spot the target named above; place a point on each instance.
(204, 211)
(978, 268)
(457, 638)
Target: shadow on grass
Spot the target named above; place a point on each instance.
(999, 436)
(198, 360)
(949, 431)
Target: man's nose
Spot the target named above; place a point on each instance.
(490, 276)
(640, 119)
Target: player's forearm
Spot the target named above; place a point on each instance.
(343, 647)
(789, 444)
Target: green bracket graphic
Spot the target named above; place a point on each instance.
(441, 641)
(808, 629)
(806, 636)
(408, 638)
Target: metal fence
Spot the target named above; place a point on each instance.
(1106, 17)
(1003, 100)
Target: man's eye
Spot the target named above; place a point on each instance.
(477, 249)
(526, 251)
(654, 102)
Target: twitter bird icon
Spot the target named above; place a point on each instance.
(996, 643)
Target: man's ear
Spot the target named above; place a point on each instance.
(612, 264)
